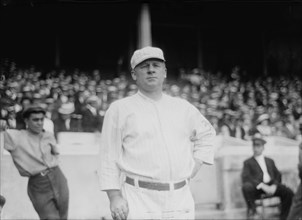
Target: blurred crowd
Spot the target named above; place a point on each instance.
(77, 100)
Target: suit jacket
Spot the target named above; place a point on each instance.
(90, 122)
(252, 172)
(60, 126)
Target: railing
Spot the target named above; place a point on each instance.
(218, 184)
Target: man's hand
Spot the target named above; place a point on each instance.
(273, 189)
(118, 205)
(3, 125)
(269, 190)
(264, 187)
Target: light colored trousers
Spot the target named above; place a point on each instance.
(153, 204)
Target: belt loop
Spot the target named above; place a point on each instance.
(136, 183)
(171, 188)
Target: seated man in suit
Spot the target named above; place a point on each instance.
(261, 176)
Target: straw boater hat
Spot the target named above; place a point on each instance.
(66, 108)
(262, 118)
(92, 99)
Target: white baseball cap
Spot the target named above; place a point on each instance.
(146, 53)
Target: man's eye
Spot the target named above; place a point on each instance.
(157, 64)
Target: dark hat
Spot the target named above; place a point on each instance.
(33, 109)
(258, 137)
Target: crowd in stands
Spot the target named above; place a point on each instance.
(237, 107)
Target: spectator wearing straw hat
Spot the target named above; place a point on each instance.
(92, 120)
(231, 126)
(263, 125)
(67, 121)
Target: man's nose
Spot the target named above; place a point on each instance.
(150, 69)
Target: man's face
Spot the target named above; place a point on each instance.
(94, 104)
(26, 103)
(35, 122)
(150, 75)
(258, 147)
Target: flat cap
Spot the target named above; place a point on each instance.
(145, 54)
(33, 109)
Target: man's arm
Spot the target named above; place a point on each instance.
(10, 136)
(111, 148)
(3, 125)
(203, 134)
(198, 164)
(276, 179)
(110, 151)
(246, 175)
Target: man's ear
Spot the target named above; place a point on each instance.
(133, 74)
(165, 73)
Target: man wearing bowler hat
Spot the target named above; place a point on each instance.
(261, 176)
(152, 145)
(35, 155)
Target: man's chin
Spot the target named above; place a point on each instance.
(36, 131)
